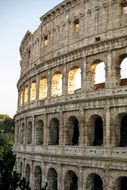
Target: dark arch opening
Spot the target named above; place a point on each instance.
(54, 132)
(37, 178)
(123, 132)
(123, 185)
(52, 179)
(94, 182)
(98, 184)
(39, 132)
(71, 181)
(72, 131)
(98, 132)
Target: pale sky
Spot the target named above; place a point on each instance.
(16, 17)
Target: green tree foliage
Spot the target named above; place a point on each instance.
(9, 179)
(6, 123)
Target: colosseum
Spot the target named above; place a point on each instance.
(71, 120)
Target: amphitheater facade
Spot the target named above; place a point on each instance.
(71, 120)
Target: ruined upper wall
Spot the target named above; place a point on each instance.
(71, 25)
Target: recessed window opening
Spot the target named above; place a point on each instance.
(46, 40)
(26, 95)
(71, 181)
(37, 178)
(52, 179)
(98, 132)
(54, 132)
(72, 131)
(74, 80)
(94, 182)
(43, 88)
(100, 73)
(56, 87)
(124, 7)
(33, 91)
(123, 69)
(123, 132)
(39, 132)
(76, 25)
(21, 98)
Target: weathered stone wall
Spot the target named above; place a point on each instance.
(73, 136)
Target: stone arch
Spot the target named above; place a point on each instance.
(37, 178)
(39, 132)
(54, 131)
(96, 75)
(95, 130)
(72, 131)
(94, 182)
(121, 183)
(121, 130)
(123, 69)
(70, 180)
(56, 84)
(29, 133)
(52, 179)
(43, 87)
(21, 97)
(27, 173)
(74, 79)
(26, 91)
(22, 134)
(33, 88)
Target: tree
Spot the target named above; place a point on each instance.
(9, 179)
(6, 123)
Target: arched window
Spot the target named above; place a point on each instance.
(21, 98)
(123, 71)
(26, 95)
(56, 87)
(54, 132)
(37, 178)
(72, 131)
(22, 134)
(43, 88)
(95, 126)
(94, 182)
(27, 173)
(29, 133)
(96, 75)
(121, 183)
(33, 91)
(52, 179)
(74, 79)
(70, 181)
(39, 132)
(100, 73)
(123, 131)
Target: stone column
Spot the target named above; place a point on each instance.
(61, 130)
(64, 80)
(84, 75)
(32, 176)
(37, 87)
(80, 180)
(107, 127)
(108, 71)
(49, 84)
(45, 130)
(33, 131)
(60, 178)
(81, 127)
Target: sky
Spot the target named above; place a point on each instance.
(16, 17)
